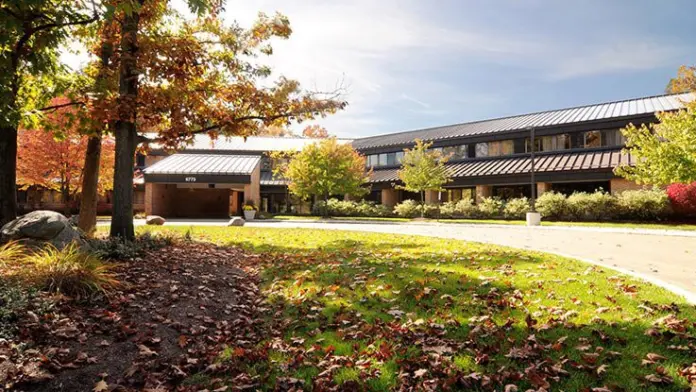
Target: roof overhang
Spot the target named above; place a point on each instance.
(203, 168)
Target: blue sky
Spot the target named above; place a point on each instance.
(415, 64)
(410, 64)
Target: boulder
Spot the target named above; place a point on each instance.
(236, 221)
(39, 227)
(154, 220)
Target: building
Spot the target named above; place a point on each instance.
(576, 150)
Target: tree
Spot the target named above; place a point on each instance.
(56, 162)
(315, 131)
(324, 169)
(200, 77)
(31, 31)
(664, 153)
(275, 130)
(423, 170)
(685, 81)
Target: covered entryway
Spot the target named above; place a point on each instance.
(202, 185)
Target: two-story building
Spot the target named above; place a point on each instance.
(576, 149)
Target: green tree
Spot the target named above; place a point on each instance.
(664, 153)
(423, 170)
(324, 169)
(31, 31)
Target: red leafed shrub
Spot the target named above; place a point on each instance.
(683, 198)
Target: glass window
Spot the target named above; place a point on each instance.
(383, 159)
(399, 156)
(372, 160)
(593, 139)
(481, 150)
(549, 143)
(455, 152)
(505, 147)
(391, 159)
(613, 138)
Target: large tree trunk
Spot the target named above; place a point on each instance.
(8, 174)
(90, 183)
(90, 176)
(125, 131)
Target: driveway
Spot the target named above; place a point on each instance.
(661, 257)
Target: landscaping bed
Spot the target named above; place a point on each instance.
(290, 309)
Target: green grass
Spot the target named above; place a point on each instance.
(350, 218)
(374, 305)
(622, 225)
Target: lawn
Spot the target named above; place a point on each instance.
(620, 225)
(385, 312)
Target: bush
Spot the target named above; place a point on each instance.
(448, 209)
(118, 249)
(69, 271)
(552, 205)
(683, 198)
(407, 209)
(490, 207)
(595, 206)
(643, 204)
(516, 208)
(337, 207)
(431, 210)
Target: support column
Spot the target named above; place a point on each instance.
(252, 191)
(234, 205)
(390, 197)
(431, 197)
(158, 199)
(483, 191)
(542, 187)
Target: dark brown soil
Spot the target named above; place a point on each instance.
(176, 310)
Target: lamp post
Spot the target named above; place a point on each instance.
(533, 217)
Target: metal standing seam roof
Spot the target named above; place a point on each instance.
(213, 164)
(267, 178)
(203, 142)
(574, 161)
(602, 111)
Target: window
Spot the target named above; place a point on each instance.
(372, 160)
(391, 159)
(593, 139)
(382, 159)
(613, 138)
(139, 160)
(549, 143)
(399, 156)
(505, 147)
(455, 152)
(481, 150)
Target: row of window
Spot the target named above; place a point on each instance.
(591, 139)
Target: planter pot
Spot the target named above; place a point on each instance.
(533, 219)
(249, 214)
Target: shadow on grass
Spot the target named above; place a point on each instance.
(515, 317)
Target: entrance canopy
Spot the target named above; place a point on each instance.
(203, 168)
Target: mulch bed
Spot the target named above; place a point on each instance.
(177, 309)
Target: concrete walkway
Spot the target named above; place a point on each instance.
(664, 258)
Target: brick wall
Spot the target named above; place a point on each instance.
(618, 185)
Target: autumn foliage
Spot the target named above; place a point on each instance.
(56, 161)
(683, 198)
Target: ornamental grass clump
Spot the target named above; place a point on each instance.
(10, 253)
(69, 271)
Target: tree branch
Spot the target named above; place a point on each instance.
(62, 105)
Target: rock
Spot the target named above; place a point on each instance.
(39, 227)
(236, 221)
(154, 220)
(75, 220)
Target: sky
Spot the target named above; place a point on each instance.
(412, 64)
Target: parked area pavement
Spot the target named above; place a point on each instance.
(666, 258)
